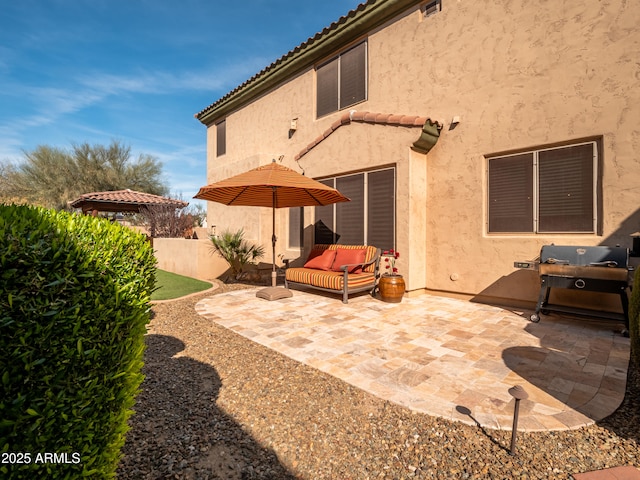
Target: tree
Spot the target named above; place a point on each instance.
(165, 221)
(9, 194)
(52, 177)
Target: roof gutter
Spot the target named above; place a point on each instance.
(347, 29)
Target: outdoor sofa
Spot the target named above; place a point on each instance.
(337, 268)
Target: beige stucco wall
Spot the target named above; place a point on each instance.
(542, 76)
(192, 258)
(519, 75)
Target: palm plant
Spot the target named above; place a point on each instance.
(237, 251)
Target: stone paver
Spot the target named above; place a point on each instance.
(442, 356)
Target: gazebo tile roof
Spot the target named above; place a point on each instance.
(123, 198)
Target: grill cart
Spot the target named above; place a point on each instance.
(594, 269)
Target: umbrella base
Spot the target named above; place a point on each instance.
(274, 293)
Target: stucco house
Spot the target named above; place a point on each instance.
(467, 135)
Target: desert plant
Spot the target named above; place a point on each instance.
(237, 251)
(74, 304)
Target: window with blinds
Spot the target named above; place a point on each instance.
(431, 8)
(342, 82)
(544, 191)
(296, 227)
(324, 228)
(566, 189)
(368, 219)
(381, 203)
(511, 194)
(221, 138)
(350, 215)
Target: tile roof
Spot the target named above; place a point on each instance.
(372, 118)
(125, 198)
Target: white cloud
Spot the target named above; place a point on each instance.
(212, 79)
(43, 106)
(54, 102)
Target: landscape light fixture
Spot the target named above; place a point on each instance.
(518, 393)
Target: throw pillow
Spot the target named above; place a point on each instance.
(346, 256)
(322, 262)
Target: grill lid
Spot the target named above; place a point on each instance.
(598, 256)
(599, 262)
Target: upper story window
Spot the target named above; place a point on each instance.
(431, 8)
(221, 138)
(551, 190)
(342, 81)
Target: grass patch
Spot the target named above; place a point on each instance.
(171, 285)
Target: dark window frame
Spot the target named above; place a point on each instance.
(546, 190)
(342, 81)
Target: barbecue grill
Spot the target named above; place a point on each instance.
(594, 269)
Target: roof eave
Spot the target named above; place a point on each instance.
(340, 34)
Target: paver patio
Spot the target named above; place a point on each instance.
(442, 356)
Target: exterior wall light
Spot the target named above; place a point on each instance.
(293, 126)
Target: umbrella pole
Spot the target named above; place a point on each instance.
(273, 239)
(273, 292)
(273, 248)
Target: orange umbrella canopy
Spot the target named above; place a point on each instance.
(274, 186)
(271, 185)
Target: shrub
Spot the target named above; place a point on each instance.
(74, 304)
(634, 319)
(236, 250)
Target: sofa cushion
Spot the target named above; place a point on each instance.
(329, 279)
(347, 256)
(322, 262)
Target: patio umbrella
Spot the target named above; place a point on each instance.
(274, 186)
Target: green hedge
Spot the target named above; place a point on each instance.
(74, 304)
(634, 318)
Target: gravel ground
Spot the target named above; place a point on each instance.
(214, 405)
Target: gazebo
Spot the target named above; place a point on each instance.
(124, 201)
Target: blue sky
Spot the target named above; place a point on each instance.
(136, 71)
